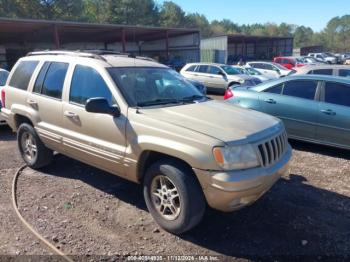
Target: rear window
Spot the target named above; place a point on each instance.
(22, 75)
(3, 77)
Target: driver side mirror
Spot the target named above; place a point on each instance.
(100, 105)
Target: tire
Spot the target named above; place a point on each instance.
(28, 140)
(190, 201)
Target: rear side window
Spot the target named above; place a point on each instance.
(191, 68)
(323, 72)
(336, 93)
(344, 72)
(202, 69)
(22, 75)
(88, 83)
(41, 77)
(275, 89)
(54, 79)
(303, 89)
(257, 65)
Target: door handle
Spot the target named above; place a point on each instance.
(32, 102)
(328, 112)
(270, 101)
(70, 115)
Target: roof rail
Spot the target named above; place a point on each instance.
(71, 53)
(96, 54)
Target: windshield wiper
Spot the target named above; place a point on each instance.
(155, 102)
(192, 98)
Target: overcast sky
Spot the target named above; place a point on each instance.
(312, 13)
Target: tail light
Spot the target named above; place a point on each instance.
(228, 93)
(3, 98)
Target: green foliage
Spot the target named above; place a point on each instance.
(336, 35)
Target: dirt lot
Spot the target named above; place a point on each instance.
(85, 211)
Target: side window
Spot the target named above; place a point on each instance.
(191, 68)
(344, 72)
(22, 75)
(41, 77)
(336, 93)
(323, 72)
(275, 89)
(53, 83)
(214, 70)
(300, 88)
(268, 67)
(3, 77)
(202, 69)
(256, 65)
(87, 83)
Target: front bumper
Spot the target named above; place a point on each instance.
(229, 191)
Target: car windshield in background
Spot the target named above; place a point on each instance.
(279, 66)
(230, 70)
(252, 71)
(143, 86)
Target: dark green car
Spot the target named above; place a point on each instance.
(314, 108)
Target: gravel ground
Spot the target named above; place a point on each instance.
(85, 211)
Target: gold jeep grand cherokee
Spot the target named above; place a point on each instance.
(140, 120)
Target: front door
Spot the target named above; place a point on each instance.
(334, 114)
(97, 139)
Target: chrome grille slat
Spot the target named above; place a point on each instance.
(270, 151)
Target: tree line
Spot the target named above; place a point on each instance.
(335, 36)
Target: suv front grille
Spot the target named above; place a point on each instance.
(272, 150)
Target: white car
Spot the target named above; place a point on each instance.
(270, 69)
(327, 58)
(217, 76)
(252, 72)
(3, 78)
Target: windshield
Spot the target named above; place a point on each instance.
(252, 71)
(279, 66)
(149, 86)
(230, 70)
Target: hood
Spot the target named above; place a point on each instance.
(217, 119)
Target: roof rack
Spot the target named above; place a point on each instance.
(96, 54)
(71, 53)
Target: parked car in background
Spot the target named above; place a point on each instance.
(3, 78)
(309, 60)
(217, 77)
(270, 69)
(324, 57)
(289, 62)
(201, 88)
(331, 70)
(119, 114)
(314, 108)
(252, 72)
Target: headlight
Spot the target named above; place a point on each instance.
(236, 157)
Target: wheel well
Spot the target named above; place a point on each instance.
(233, 83)
(148, 158)
(19, 119)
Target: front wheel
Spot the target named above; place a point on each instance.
(173, 196)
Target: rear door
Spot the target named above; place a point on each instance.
(334, 114)
(96, 139)
(295, 102)
(46, 101)
(216, 79)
